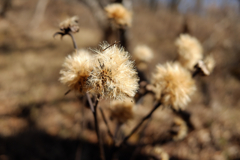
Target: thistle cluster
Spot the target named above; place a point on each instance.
(109, 73)
(172, 82)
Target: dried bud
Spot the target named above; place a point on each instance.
(180, 129)
(76, 70)
(190, 51)
(173, 85)
(156, 152)
(70, 25)
(210, 63)
(201, 68)
(206, 66)
(119, 14)
(122, 111)
(114, 76)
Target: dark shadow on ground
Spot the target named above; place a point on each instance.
(37, 145)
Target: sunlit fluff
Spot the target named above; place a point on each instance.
(173, 85)
(114, 75)
(190, 51)
(142, 54)
(119, 14)
(122, 111)
(76, 70)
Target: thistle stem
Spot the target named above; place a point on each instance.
(122, 37)
(94, 111)
(90, 102)
(73, 40)
(106, 123)
(100, 143)
(140, 123)
(117, 130)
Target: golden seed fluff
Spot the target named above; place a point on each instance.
(114, 75)
(190, 51)
(173, 85)
(76, 70)
(119, 14)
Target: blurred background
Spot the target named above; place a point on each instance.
(38, 122)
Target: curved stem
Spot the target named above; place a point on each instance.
(140, 123)
(74, 42)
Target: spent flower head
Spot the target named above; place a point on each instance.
(119, 14)
(114, 75)
(173, 85)
(122, 111)
(70, 25)
(190, 51)
(76, 70)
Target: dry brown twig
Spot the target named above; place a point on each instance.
(106, 123)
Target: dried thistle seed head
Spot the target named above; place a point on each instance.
(173, 85)
(181, 129)
(190, 51)
(113, 76)
(142, 54)
(209, 63)
(70, 25)
(76, 70)
(122, 111)
(120, 15)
